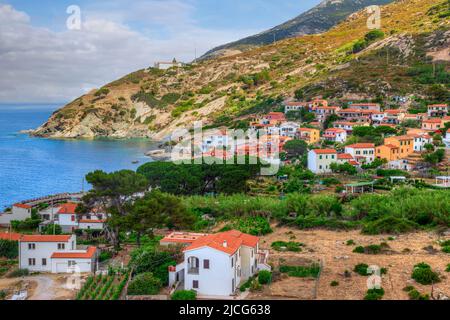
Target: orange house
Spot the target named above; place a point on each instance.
(405, 145)
(388, 152)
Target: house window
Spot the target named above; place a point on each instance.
(195, 284)
(31, 246)
(31, 262)
(71, 263)
(73, 218)
(44, 262)
(232, 262)
(61, 246)
(205, 264)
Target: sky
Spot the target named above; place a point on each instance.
(46, 56)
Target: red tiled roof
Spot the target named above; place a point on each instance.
(228, 242)
(361, 146)
(182, 237)
(23, 206)
(68, 208)
(88, 254)
(344, 156)
(45, 238)
(10, 236)
(365, 104)
(324, 151)
(437, 105)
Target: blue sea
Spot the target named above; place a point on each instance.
(34, 167)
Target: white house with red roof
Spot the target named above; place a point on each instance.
(55, 254)
(361, 152)
(293, 106)
(66, 217)
(320, 160)
(216, 264)
(335, 135)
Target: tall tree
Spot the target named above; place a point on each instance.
(113, 191)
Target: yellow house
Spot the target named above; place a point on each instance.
(405, 145)
(309, 135)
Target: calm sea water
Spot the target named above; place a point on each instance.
(34, 167)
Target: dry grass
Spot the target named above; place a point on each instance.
(330, 247)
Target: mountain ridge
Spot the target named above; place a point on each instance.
(316, 20)
(226, 91)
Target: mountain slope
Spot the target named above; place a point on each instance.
(317, 20)
(226, 91)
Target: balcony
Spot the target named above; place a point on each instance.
(193, 271)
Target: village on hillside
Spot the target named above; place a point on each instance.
(121, 245)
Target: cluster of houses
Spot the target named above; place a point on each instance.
(215, 264)
(62, 214)
(53, 253)
(400, 152)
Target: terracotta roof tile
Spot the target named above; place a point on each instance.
(45, 238)
(88, 254)
(68, 208)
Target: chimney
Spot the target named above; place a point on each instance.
(225, 243)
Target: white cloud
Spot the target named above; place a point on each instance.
(41, 65)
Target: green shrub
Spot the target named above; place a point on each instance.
(264, 277)
(350, 242)
(9, 249)
(105, 255)
(423, 274)
(290, 246)
(19, 273)
(334, 283)
(416, 295)
(361, 269)
(301, 271)
(448, 268)
(247, 284)
(359, 249)
(3, 294)
(408, 288)
(144, 284)
(389, 225)
(256, 226)
(184, 295)
(374, 294)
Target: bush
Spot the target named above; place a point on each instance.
(184, 295)
(423, 274)
(19, 273)
(301, 271)
(416, 295)
(334, 283)
(144, 284)
(256, 226)
(264, 277)
(3, 294)
(9, 249)
(350, 242)
(448, 268)
(389, 225)
(361, 269)
(374, 294)
(105, 255)
(52, 229)
(290, 246)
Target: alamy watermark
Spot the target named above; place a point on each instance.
(73, 22)
(374, 20)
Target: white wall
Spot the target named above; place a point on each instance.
(82, 265)
(44, 250)
(90, 226)
(18, 214)
(217, 280)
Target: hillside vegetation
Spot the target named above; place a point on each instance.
(347, 62)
